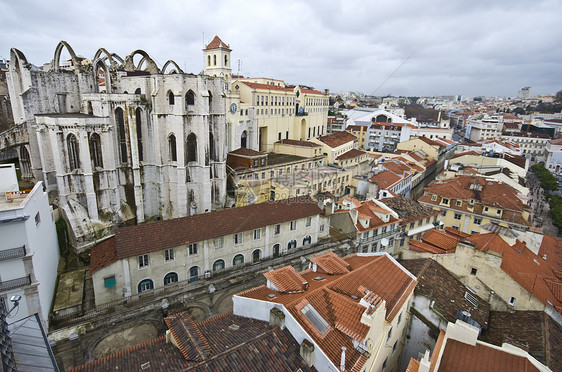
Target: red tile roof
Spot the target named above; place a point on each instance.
(247, 152)
(155, 236)
(227, 343)
(337, 139)
(459, 356)
(353, 153)
(267, 86)
(298, 143)
(287, 280)
(336, 298)
(385, 180)
(217, 43)
(489, 242)
(436, 242)
(331, 263)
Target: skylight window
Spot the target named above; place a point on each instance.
(315, 318)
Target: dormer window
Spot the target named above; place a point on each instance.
(445, 201)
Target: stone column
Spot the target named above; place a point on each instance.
(133, 140)
(86, 165)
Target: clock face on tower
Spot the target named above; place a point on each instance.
(233, 108)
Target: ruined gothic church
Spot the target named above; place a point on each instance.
(120, 142)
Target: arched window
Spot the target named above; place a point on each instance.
(226, 60)
(138, 119)
(73, 155)
(307, 240)
(244, 139)
(208, 60)
(119, 118)
(292, 244)
(214, 60)
(95, 150)
(238, 260)
(172, 153)
(145, 285)
(138, 91)
(218, 265)
(191, 148)
(193, 273)
(189, 99)
(170, 278)
(212, 149)
(256, 255)
(276, 250)
(171, 98)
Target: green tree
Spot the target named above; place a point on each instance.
(547, 180)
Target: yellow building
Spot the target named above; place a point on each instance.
(432, 148)
(262, 111)
(474, 204)
(359, 131)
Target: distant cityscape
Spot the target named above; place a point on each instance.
(162, 220)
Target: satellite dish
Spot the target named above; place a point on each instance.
(384, 242)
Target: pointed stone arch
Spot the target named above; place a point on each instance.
(56, 60)
(99, 62)
(151, 66)
(19, 67)
(108, 56)
(177, 69)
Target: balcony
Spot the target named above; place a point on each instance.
(10, 254)
(302, 113)
(15, 283)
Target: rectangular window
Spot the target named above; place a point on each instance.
(169, 254)
(394, 347)
(143, 261)
(308, 221)
(277, 229)
(399, 318)
(512, 301)
(37, 219)
(445, 201)
(109, 281)
(459, 203)
(192, 248)
(444, 213)
(217, 242)
(457, 216)
(238, 238)
(257, 234)
(389, 335)
(433, 197)
(412, 225)
(321, 228)
(293, 225)
(473, 271)
(477, 220)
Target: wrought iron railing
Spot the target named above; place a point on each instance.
(15, 283)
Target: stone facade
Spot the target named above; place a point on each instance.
(119, 143)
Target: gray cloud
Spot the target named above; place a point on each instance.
(457, 47)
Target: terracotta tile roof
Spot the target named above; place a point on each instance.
(247, 152)
(337, 139)
(534, 274)
(438, 284)
(430, 142)
(156, 236)
(298, 143)
(385, 180)
(311, 91)
(556, 141)
(471, 152)
(217, 43)
(493, 193)
(267, 86)
(357, 128)
(459, 356)
(236, 344)
(437, 350)
(368, 210)
(353, 153)
(287, 280)
(409, 210)
(440, 239)
(331, 263)
(336, 299)
(191, 342)
(456, 232)
(396, 167)
(489, 242)
(105, 254)
(551, 251)
(413, 366)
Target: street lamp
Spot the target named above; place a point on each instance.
(16, 300)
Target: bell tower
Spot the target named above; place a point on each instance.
(217, 59)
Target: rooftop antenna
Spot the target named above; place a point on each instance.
(203, 38)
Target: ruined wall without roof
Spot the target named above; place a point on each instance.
(138, 178)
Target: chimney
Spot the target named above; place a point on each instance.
(307, 352)
(277, 318)
(342, 363)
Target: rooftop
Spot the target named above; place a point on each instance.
(298, 143)
(333, 293)
(337, 139)
(222, 343)
(409, 210)
(150, 237)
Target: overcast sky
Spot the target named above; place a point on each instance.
(444, 47)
